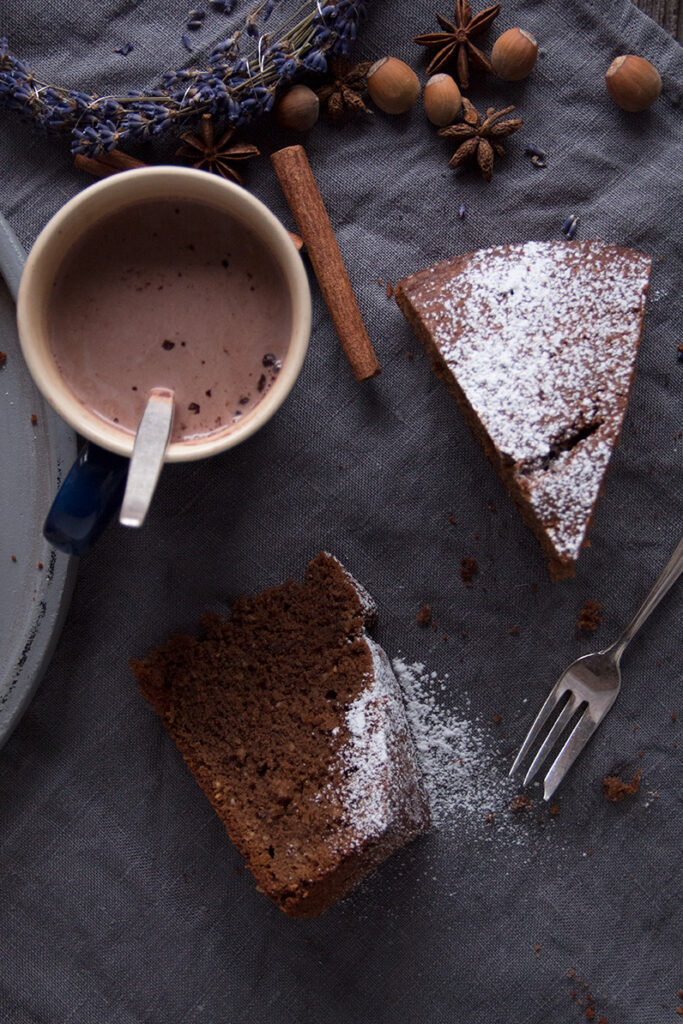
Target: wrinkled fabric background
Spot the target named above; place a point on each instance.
(121, 899)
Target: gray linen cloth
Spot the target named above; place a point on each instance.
(121, 899)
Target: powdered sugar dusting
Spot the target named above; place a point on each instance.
(542, 338)
(564, 494)
(467, 783)
(381, 774)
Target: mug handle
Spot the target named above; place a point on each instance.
(93, 489)
(90, 495)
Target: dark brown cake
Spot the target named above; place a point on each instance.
(537, 342)
(291, 720)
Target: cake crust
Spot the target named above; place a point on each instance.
(291, 720)
(537, 343)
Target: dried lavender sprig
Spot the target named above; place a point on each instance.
(538, 157)
(236, 88)
(570, 225)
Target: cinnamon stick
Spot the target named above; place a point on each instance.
(304, 199)
(107, 163)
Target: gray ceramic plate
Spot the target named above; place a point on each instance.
(33, 459)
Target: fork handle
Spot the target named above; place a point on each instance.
(668, 576)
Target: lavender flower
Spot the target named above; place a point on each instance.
(236, 87)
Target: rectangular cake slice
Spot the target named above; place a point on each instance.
(291, 720)
(538, 342)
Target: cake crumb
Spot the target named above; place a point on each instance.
(520, 803)
(34, 419)
(410, 356)
(513, 630)
(554, 809)
(490, 818)
(452, 521)
(615, 789)
(3, 358)
(468, 570)
(497, 719)
(590, 616)
(674, 716)
(390, 290)
(14, 558)
(424, 616)
(40, 565)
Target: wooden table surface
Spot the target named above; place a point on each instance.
(667, 13)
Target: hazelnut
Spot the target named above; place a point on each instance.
(514, 54)
(633, 83)
(442, 100)
(392, 85)
(297, 109)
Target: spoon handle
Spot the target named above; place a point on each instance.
(666, 579)
(151, 442)
(12, 257)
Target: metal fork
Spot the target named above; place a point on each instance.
(593, 680)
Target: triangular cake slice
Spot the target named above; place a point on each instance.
(538, 343)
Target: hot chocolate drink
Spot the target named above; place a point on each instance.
(170, 294)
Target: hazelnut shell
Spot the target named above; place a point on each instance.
(298, 109)
(514, 54)
(633, 83)
(392, 85)
(442, 100)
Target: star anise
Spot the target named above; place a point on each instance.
(342, 94)
(210, 154)
(479, 137)
(454, 44)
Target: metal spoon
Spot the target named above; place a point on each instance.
(151, 442)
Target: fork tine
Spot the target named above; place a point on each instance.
(581, 733)
(559, 724)
(557, 692)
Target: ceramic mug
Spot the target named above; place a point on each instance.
(94, 487)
